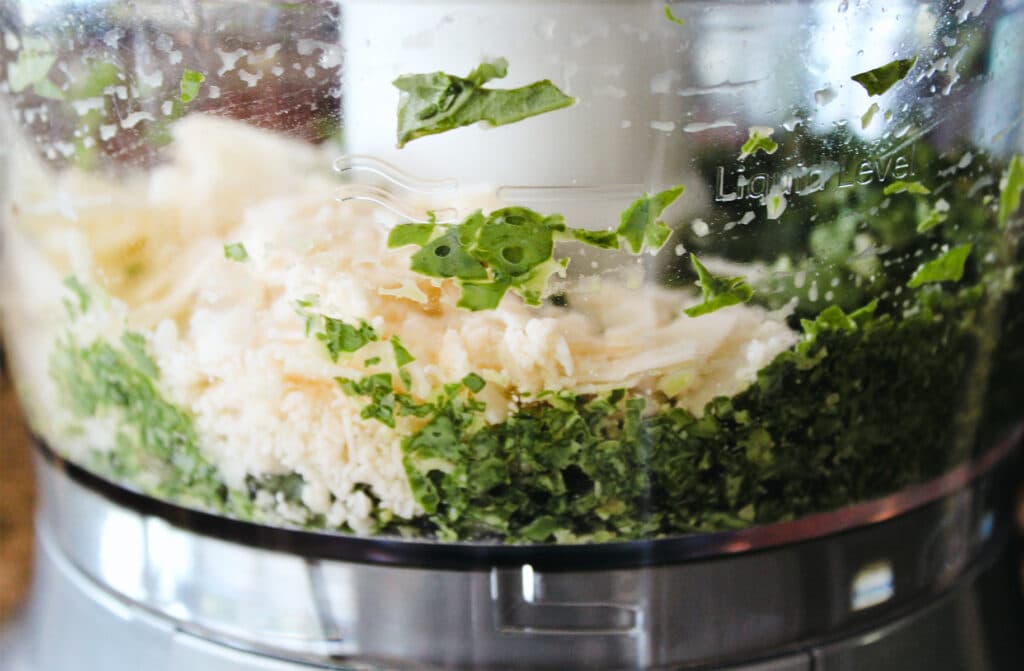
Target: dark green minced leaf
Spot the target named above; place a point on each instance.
(948, 267)
(1011, 186)
(339, 337)
(717, 292)
(910, 187)
(72, 283)
(759, 139)
(641, 222)
(410, 234)
(816, 431)
(191, 81)
(672, 17)
(881, 79)
(438, 102)
(372, 361)
(402, 356)
(236, 252)
(474, 382)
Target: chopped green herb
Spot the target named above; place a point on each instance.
(32, 69)
(931, 220)
(760, 139)
(155, 438)
(372, 361)
(340, 337)
(191, 81)
(474, 382)
(948, 267)
(718, 292)
(1010, 187)
(900, 186)
(236, 252)
(869, 115)
(135, 346)
(881, 79)
(672, 17)
(640, 223)
(402, 356)
(410, 234)
(438, 102)
(512, 249)
(72, 283)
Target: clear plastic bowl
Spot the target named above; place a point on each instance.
(526, 272)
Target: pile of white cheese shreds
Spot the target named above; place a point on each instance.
(233, 351)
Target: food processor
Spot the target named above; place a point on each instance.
(494, 334)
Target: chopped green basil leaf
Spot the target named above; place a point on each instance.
(32, 68)
(718, 292)
(881, 79)
(867, 117)
(402, 356)
(236, 252)
(72, 283)
(410, 234)
(437, 102)
(478, 296)
(372, 361)
(948, 267)
(340, 337)
(191, 81)
(931, 220)
(640, 223)
(602, 239)
(473, 382)
(1010, 188)
(672, 17)
(900, 186)
(760, 139)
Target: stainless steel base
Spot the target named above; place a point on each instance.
(119, 588)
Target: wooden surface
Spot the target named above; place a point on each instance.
(17, 498)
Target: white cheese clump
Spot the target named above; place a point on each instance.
(234, 352)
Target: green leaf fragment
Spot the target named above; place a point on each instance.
(948, 267)
(931, 220)
(601, 239)
(478, 296)
(437, 102)
(372, 361)
(191, 81)
(672, 17)
(540, 529)
(881, 79)
(641, 222)
(32, 69)
(869, 115)
(402, 356)
(473, 382)
(236, 252)
(339, 337)
(718, 292)
(80, 292)
(760, 139)
(900, 186)
(1010, 187)
(410, 234)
